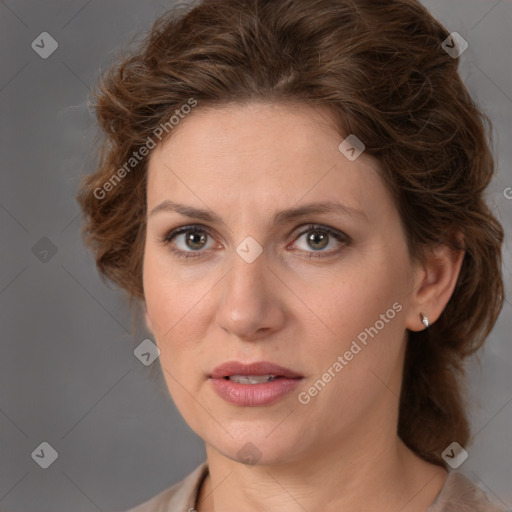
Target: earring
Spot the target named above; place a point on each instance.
(424, 320)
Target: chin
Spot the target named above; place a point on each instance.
(262, 447)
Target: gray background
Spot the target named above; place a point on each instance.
(68, 375)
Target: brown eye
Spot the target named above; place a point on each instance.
(187, 241)
(195, 239)
(318, 238)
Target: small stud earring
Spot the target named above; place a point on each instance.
(424, 320)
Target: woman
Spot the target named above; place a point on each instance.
(293, 190)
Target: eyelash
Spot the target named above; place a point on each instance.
(341, 237)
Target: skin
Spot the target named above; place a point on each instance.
(340, 451)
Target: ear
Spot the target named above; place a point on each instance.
(149, 322)
(435, 280)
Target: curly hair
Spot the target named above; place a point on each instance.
(380, 68)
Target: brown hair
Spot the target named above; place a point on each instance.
(379, 67)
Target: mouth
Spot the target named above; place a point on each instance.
(252, 379)
(256, 384)
(253, 373)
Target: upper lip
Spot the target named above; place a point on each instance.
(257, 368)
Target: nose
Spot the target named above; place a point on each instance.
(250, 305)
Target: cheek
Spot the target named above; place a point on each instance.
(164, 303)
(364, 310)
(176, 305)
(156, 290)
(166, 298)
(355, 298)
(172, 315)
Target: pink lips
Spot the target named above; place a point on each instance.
(259, 368)
(252, 395)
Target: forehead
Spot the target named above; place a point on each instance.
(237, 130)
(260, 155)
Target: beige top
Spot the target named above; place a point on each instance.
(458, 494)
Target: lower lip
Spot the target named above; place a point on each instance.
(254, 395)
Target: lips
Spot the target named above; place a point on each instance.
(253, 385)
(262, 368)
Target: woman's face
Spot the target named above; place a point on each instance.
(326, 294)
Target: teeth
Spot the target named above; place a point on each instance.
(251, 379)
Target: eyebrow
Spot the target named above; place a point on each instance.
(281, 217)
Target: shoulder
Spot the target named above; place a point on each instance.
(460, 494)
(181, 496)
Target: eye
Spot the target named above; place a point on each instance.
(318, 238)
(188, 241)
